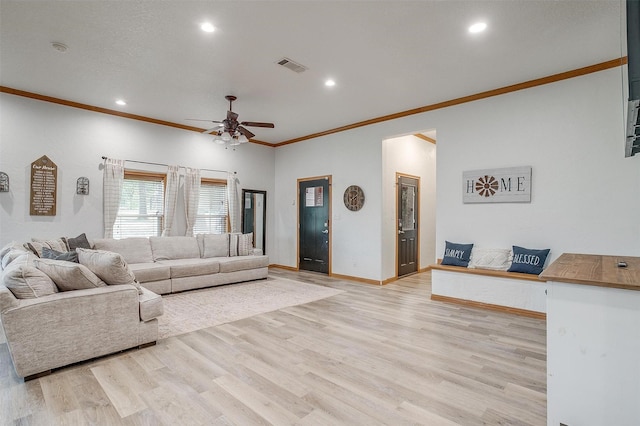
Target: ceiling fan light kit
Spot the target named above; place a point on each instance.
(230, 132)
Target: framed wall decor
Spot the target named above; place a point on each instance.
(506, 185)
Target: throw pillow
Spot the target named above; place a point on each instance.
(245, 244)
(25, 281)
(528, 261)
(69, 256)
(233, 244)
(11, 254)
(36, 245)
(68, 275)
(456, 254)
(215, 245)
(80, 241)
(490, 258)
(110, 267)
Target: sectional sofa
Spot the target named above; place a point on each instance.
(50, 321)
(173, 264)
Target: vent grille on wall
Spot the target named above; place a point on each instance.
(293, 66)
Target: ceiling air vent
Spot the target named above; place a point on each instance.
(293, 66)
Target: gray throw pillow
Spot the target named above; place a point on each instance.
(69, 256)
(78, 242)
(25, 281)
(109, 266)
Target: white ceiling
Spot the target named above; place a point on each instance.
(386, 56)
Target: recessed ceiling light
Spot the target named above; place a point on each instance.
(121, 102)
(478, 27)
(330, 83)
(207, 27)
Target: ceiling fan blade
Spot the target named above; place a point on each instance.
(245, 132)
(232, 116)
(213, 129)
(199, 119)
(257, 124)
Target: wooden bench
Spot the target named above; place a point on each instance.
(512, 292)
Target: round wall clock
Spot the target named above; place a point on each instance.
(353, 198)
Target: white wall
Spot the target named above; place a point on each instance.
(349, 160)
(417, 157)
(585, 194)
(76, 140)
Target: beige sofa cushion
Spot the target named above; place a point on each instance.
(167, 248)
(150, 305)
(15, 254)
(26, 281)
(242, 263)
(146, 272)
(191, 267)
(109, 266)
(69, 275)
(37, 244)
(133, 250)
(215, 245)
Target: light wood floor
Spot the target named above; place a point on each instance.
(371, 355)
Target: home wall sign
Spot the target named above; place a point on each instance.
(44, 187)
(506, 185)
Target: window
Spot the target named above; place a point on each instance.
(212, 217)
(141, 211)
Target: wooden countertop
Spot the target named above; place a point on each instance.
(597, 270)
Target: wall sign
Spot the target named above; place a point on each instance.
(44, 187)
(508, 185)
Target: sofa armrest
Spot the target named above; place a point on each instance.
(68, 327)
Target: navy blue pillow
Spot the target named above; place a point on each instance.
(456, 254)
(528, 261)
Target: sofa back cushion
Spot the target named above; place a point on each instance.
(133, 250)
(69, 275)
(109, 266)
(25, 281)
(167, 248)
(215, 245)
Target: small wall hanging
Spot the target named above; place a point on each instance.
(44, 187)
(4, 182)
(82, 186)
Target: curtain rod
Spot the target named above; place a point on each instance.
(166, 165)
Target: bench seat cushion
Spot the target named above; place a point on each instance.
(242, 263)
(147, 272)
(191, 267)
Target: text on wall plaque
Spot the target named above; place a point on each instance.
(44, 187)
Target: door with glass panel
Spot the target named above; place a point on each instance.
(407, 244)
(313, 227)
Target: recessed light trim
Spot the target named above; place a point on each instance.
(207, 27)
(478, 27)
(330, 82)
(121, 102)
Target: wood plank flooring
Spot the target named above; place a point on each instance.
(371, 355)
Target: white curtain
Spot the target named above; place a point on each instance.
(233, 201)
(170, 199)
(191, 197)
(112, 190)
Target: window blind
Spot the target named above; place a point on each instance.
(212, 209)
(141, 209)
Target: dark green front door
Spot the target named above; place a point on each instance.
(313, 196)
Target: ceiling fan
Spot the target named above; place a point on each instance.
(230, 130)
